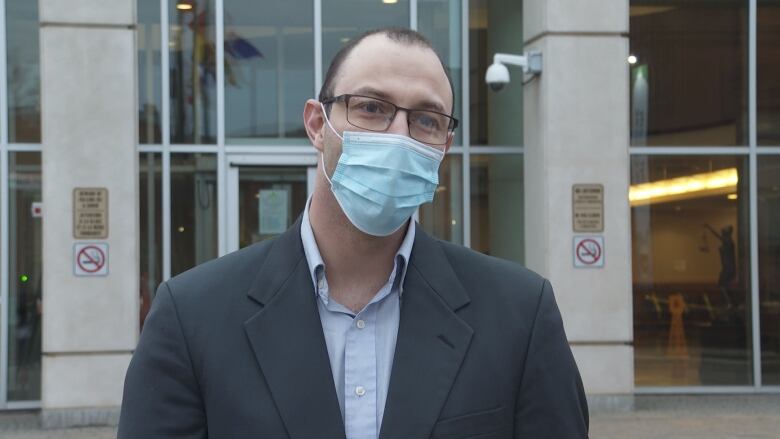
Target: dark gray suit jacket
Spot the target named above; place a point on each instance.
(234, 349)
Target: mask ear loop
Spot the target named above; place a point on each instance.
(325, 171)
(322, 153)
(327, 120)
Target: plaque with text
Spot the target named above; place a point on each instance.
(90, 213)
(588, 208)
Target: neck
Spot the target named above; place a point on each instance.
(357, 264)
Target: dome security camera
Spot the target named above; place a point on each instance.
(497, 76)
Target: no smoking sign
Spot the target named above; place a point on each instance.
(588, 251)
(90, 259)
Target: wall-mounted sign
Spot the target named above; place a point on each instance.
(273, 211)
(90, 213)
(587, 208)
(90, 259)
(588, 251)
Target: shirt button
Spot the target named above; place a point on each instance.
(360, 391)
(361, 324)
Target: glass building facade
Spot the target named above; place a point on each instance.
(221, 86)
(206, 168)
(704, 192)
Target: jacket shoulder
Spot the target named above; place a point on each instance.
(225, 276)
(495, 282)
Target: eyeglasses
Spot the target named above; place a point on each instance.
(374, 114)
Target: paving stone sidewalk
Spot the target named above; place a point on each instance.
(693, 417)
(673, 417)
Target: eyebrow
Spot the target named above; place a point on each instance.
(423, 105)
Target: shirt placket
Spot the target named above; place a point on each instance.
(360, 391)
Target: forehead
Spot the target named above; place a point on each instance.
(410, 75)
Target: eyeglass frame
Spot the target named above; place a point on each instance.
(346, 96)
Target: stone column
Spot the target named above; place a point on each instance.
(576, 123)
(89, 138)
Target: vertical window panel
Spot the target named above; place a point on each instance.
(24, 313)
(440, 22)
(23, 71)
(768, 72)
(769, 266)
(691, 274)
(193, 71)
(495, 27)
(689, 81)
(444, 217)
(497, 200)
(193, 210)
(150, 220)
(149, 72)
(269, 70)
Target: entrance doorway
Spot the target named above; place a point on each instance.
(266, 194)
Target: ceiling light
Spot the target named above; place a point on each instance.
(732, 196)
(389, 2)
(691, 186)
(184, 5)
(631, 59)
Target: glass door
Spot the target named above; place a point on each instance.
(265, 197)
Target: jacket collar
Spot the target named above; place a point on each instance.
(432, 343)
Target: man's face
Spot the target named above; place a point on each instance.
(409, 76)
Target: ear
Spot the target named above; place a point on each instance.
(314, 121)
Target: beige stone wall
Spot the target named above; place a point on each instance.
(89, 138)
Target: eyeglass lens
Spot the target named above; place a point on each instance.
(377, 115)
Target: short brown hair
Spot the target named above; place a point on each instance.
(400, 35)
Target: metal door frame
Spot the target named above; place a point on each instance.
(232, 165)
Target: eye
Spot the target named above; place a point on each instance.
(428, 121)
(370, 107)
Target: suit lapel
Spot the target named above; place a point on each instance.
(288, 343)
(432, 342)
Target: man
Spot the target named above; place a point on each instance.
(355, 323)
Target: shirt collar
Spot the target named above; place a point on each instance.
(314, 258)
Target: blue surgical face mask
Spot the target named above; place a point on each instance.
(381, 179)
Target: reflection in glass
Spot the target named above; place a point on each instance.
(444, 217)
(150, 207)
(496, 118)
(149, 72)
(769, 265)
(193, 71)
(689, 81)
(25, 275)
(691, 277)
(345, 19)
(497, 200)
(270, 199)
(768, 72)
(23, 70)
(269, 69)
(440, 22)
(193, 210)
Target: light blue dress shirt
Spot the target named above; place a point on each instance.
(360, 346)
